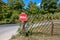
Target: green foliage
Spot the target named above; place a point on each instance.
(9, 12)
(19, 30)
(17, 4)
(58, 7)
(32, 8)
(25, 33)
(48, 6)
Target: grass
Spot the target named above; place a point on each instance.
(37, 37)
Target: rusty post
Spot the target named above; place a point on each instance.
(52, 28)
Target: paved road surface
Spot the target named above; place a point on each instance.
(7, 30)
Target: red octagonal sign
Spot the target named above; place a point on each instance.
(23, 17)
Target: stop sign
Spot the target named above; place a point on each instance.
(23, 17)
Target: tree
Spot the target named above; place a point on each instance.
(0, 6)
(17, 4)
(58, 7)
(14, 8)
(48, 6)
(32, 8)
(1, 9)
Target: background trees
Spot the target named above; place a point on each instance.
(32, 8)
(10, 11)
(48, 6)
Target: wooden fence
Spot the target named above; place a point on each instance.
(48, 27)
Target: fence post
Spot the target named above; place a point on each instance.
(52, 28)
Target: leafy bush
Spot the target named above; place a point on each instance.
(19, 30)
(25, 33)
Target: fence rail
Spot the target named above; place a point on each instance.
(47, 27)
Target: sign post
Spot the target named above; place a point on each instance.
(23, 18)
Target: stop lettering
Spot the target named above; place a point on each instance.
(23, 17)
